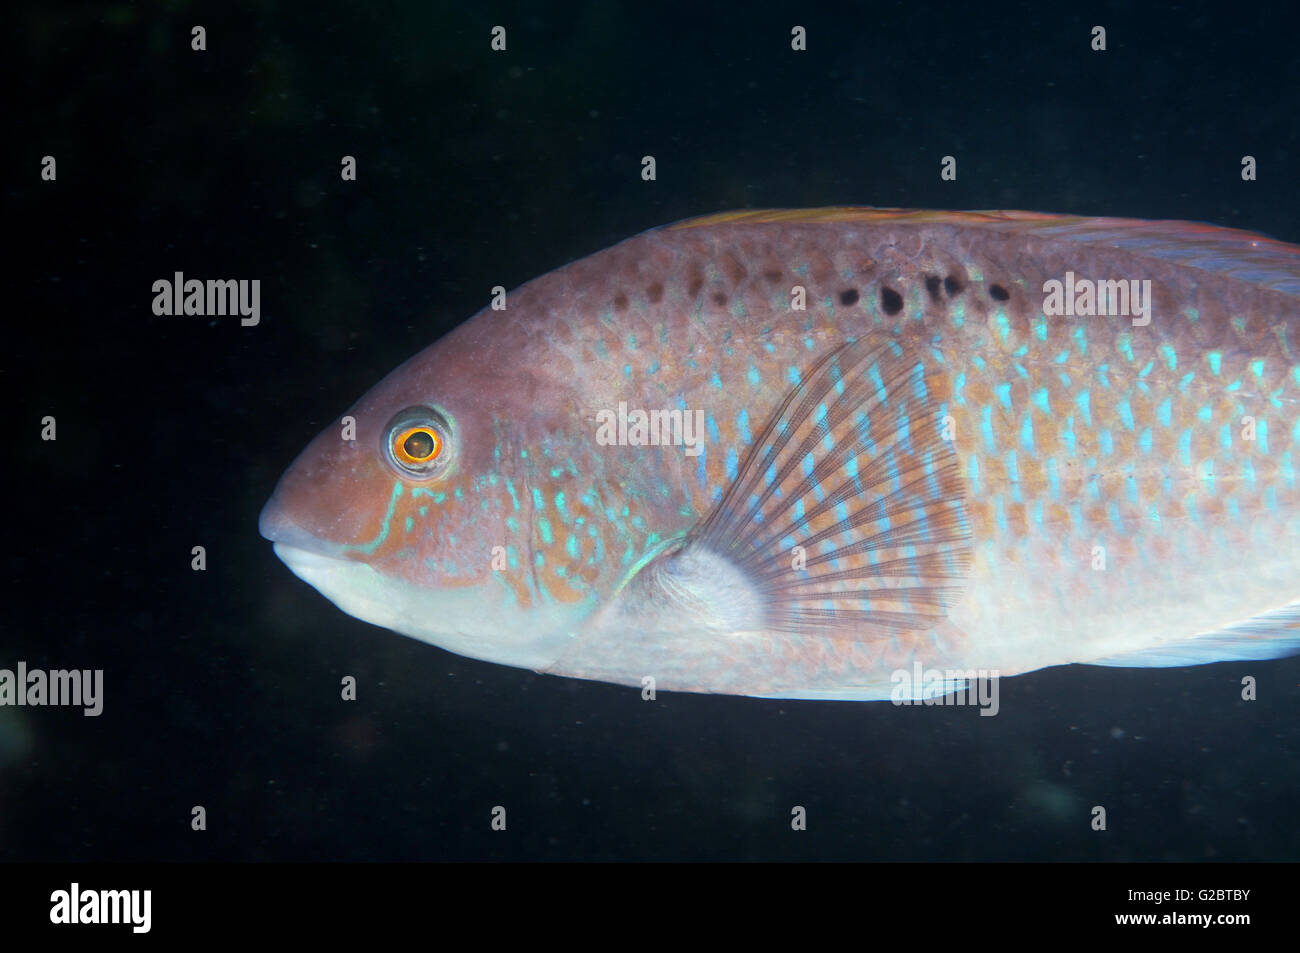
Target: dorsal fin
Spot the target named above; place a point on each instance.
(1231, 252)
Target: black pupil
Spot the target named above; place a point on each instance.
(419, 445)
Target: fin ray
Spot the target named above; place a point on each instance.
(851, 467)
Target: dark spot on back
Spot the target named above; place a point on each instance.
(849, 297)
(772, 275)
(655, 293)
(620, 302)
(719, 298)
(952, 286)
(999, 293)
(693, 289)
(932, 283)
(891, 302)
(732, 269)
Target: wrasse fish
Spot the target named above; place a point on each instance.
(790, 453)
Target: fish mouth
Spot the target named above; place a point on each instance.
(475, 621)
(355, 587)
(318, 562)
(304, 562)
(287, 536)
(472, 621)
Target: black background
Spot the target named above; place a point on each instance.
(476, 169)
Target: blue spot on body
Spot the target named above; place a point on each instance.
(1084, 402)
(1126, 414)
(742, 426)
(1164, 412)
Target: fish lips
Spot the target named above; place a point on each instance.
(275, 525)
(325, 566)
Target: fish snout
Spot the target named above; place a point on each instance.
(276, 525)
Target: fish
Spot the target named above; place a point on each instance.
(794, 453)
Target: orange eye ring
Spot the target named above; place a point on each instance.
(417, 443)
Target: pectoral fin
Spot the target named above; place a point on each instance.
(846, 518)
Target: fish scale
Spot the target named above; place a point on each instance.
(1102, 491)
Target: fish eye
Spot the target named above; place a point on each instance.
(415, 442)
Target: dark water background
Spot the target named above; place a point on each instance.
(478, 169)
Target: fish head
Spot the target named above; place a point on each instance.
(411, 510)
